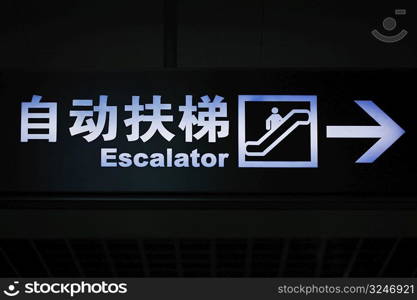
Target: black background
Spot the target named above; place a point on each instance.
(361, 223)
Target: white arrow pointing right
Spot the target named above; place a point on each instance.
(387, 131)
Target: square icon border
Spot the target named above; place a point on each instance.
(243, 163)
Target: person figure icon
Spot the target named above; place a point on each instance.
(274, 120)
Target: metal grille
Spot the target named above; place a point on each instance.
(313, 257)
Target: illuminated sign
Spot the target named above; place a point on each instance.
(212, 123)
(201, 131)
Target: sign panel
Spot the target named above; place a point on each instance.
(252, 132)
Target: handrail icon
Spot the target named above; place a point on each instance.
(294, 114)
